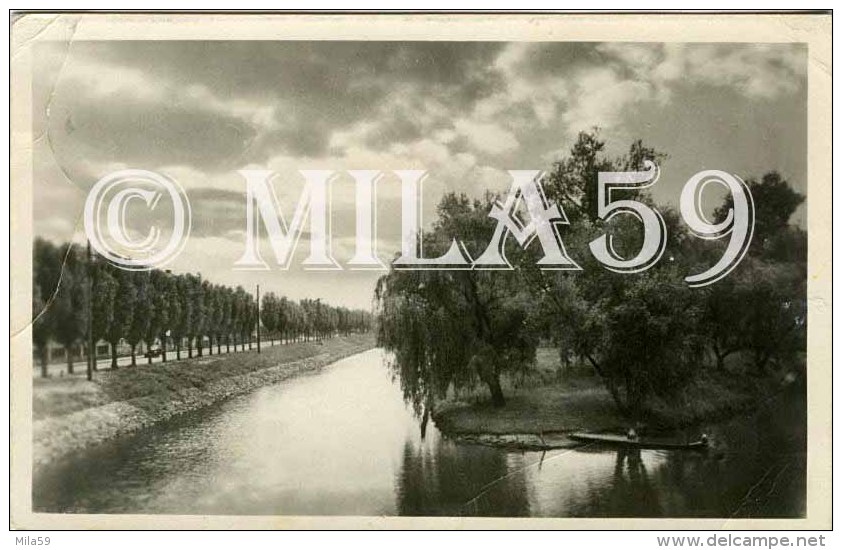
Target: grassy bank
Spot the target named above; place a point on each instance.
(542, 402)
(59, 396)
(548, 402)
(71, 414)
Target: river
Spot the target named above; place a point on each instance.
(342, 442)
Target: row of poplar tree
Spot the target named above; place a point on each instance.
(179, 311)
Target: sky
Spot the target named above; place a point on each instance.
(199, 111)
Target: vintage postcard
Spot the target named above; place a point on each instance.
(566, 271)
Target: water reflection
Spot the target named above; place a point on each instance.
(343, 442)
(439, 478)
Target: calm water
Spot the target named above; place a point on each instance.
(343, 442)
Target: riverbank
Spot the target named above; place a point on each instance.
(71, 414)
(543, 408)
(534, 418)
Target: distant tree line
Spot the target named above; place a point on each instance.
(647, 334)
(181, 310)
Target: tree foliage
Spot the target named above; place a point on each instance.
(645, 334)
(160, 308)
(455, 326)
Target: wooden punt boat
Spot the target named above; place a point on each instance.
(638, 443)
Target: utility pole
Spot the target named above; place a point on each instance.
(258, 318)
(91, 343)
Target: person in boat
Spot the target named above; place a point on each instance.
(631, 435)
(704, 439)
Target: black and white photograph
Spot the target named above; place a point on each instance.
(381, 273)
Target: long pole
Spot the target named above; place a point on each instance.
(91, 343)
(258, 318)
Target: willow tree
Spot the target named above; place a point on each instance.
(455, 327)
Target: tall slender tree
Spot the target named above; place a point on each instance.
(46, 274)
(225, 325)
(124, 305)
(281, 320)
(181, 325)
(176, 314)
(159, 313)
(269, 313)
(210, 316)
(196, 300)
(237, 312)
(224, 306)
(143, 311)
(70, 307)
(103, 295)
(41, 329)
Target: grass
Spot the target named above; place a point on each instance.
(536, 411)
(551, 399)
(59, 396)
(64, 395)
(545, 399)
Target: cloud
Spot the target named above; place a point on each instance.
(576, 86)
(530, 95)
(488, 138)
(761, 71)
(403, 116)
(600, 97)
(144, 133)
(216, 106)
(213, 104)
(541, 61)
(464, 111)
(757, 71)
